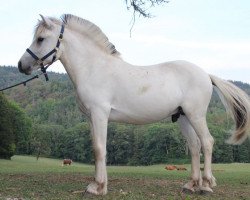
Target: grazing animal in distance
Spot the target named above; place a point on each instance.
(170, 167)
(67, 162)
(181, 168)
(110, 89)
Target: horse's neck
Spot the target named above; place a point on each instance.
(80, 56)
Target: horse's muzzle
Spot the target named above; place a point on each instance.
(20, 67)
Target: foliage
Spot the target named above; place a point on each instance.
(119, 144)
(45, 139)
(7, 142)
(22, 127)
(15, 129)
(75, 143)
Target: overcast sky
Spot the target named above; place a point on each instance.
(212, 34)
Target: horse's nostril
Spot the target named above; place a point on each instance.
(20, 66)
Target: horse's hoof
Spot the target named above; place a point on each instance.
(97, 188)
(213, 182)
(189, 187)
(187, 190)
(206, 190)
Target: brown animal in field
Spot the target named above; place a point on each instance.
(170, 167)
(181, 168)
(67, 162)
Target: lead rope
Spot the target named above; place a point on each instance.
(28, 80)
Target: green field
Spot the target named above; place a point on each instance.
(25, 178)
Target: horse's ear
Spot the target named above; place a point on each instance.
(47, 21)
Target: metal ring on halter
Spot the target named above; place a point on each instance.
(39, 62)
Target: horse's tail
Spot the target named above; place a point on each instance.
(237, 104)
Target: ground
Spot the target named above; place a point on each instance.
(25, 178)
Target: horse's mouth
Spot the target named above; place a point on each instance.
(28, 71)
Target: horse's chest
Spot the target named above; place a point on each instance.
(84, 107)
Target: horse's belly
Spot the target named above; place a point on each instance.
(143, 113)
(135, 119)
(145, 103)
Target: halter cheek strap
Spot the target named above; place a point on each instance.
(40, 61)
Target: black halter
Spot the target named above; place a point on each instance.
(40, 60)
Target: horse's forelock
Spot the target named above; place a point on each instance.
(41, 26)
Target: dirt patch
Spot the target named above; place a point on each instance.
(72, 186)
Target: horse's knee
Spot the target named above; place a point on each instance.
(211, 140)
(194, 151)
(100, 152)
(208, 143)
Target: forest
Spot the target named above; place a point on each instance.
(43, 119)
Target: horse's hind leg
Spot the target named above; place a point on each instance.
(194, 147)
(200, 126)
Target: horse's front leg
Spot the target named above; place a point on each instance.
(99, 123)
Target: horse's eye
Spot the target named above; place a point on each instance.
(40, 39)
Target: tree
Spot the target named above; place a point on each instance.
(40, 143)
(15, 129)
(22, 127)
(119, 143)
(75, 143)
(7, 142)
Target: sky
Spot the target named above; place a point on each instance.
(212, 34)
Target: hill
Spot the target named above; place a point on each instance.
(61, 131)
(45, 102)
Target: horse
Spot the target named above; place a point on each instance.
(111, 89)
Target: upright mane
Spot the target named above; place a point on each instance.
(91, 30)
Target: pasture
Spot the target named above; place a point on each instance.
(26, 178)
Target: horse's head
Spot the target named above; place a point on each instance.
(44, 48)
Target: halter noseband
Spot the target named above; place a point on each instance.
(39, 61)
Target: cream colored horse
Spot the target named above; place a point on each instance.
(110, 89)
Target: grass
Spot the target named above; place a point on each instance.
(25, 178)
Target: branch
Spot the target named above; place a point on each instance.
(142, 6)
